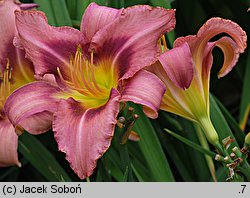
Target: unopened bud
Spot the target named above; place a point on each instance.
(247, 140)
(226, 159)
(219, 158)
(237, 152)
(121, 119)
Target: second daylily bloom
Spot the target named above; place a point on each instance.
(185, 70)
(15, 71)
(89, 72)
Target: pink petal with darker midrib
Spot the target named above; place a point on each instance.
(46, 46)
(31, 106)
(97, 17)
(84, 135)
(131, 40)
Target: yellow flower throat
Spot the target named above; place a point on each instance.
(89, 83)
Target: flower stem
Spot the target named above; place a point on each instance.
(124, 155)
(205, 145)
(245, 169)
(209, 130)
(125, 161)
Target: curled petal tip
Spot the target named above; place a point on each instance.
(218, 25)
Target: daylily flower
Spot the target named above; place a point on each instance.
(15, 71)
(185, 70)
(94, 69)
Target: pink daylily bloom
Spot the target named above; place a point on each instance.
(185, 70)
(15, 71)
(94, 70)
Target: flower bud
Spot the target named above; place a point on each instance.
(247, 140)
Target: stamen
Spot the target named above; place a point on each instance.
(5, 84)
(92, 57)
(82, 76)
(91, 68)
(163, 39)
(88, 85)
(70, 84)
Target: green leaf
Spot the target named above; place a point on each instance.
(176, 151)
(151, 148)
(140, 171)
(34, 151)
(72, 6)
(162, 3)
(133, 2)
(56, 11)
(220, 123)
(245, 97)
(46, 7)
(61, 13)
(191, 144)
(166, 4)
(240, 136)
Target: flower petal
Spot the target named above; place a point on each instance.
(131, 40)
(217, 25)
(28, 6)
(84, 135)
(179, 66)
(31, 105)
(7, 49)
(231, 54)
(46, 46)
(96, 17)
(8, 32)
(211, 28)
(8, 144)
(145, 89)
(177, 100)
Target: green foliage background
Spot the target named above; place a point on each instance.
(158, 156)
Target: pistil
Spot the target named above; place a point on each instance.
(5, 84)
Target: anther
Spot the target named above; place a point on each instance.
(164, 43)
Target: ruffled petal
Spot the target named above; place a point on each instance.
(179, 66)
(211, 28)
(84, 135)
(145, 89)
(46, 46)
(8, 144)
(31, 107)
(7, 49)
(131, 40)
(8, 32)
(96, 17)
(215, 26)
